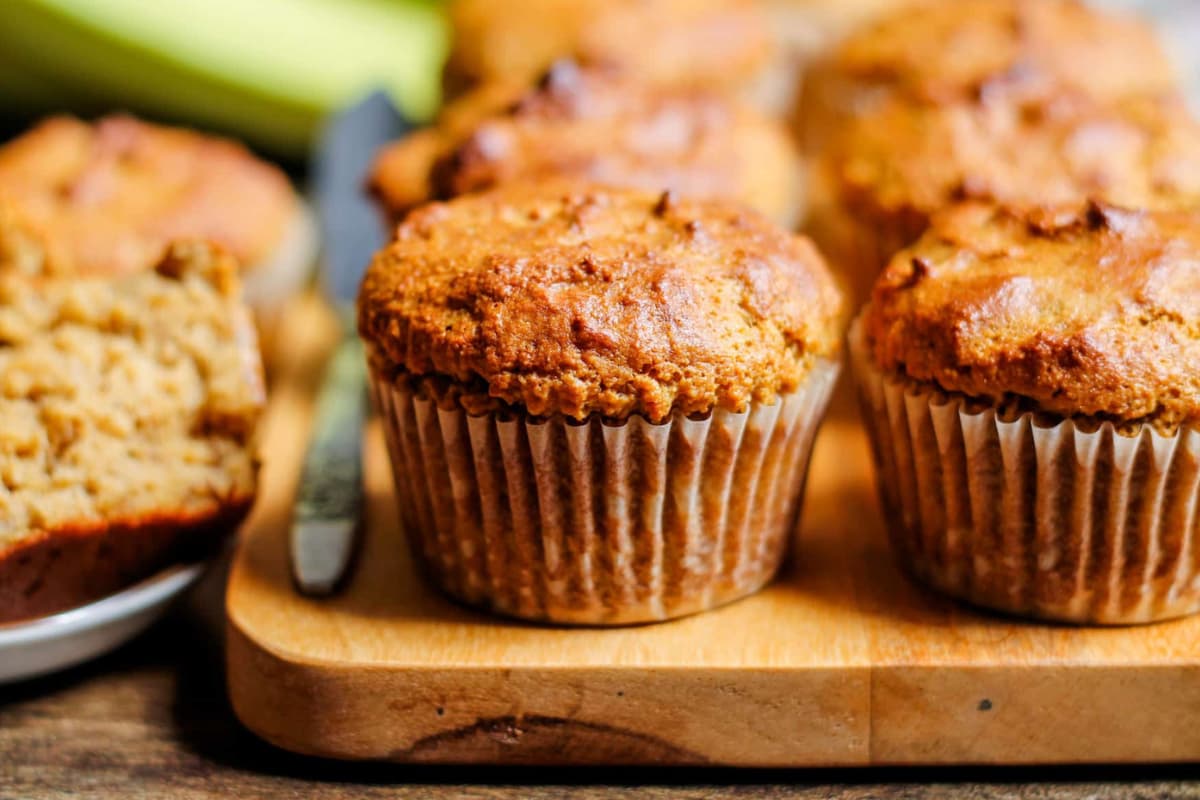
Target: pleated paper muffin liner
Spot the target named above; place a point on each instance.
(600, 522)
(1063, 521)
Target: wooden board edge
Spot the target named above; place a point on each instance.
(1030, 714)
(897, 715)
(551, 716)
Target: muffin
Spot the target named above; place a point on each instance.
(1030, 388)
(675, 43)
(128, 408)
(806, 30)
(814, 25)
(950, 52)
(899, 164)
(111, 195)
(596, 124)
(600, 402)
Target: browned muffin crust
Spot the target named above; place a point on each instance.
(596, 124)
(899, 164)
(57, 570)
(577, 299)
(1092, 313)
(719, 43)
(948, 52)
(113, 194)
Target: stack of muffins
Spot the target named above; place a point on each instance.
(601, 369)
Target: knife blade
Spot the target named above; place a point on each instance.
(326, 521)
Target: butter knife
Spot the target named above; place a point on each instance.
(326, 522)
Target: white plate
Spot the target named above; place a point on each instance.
(48, 644)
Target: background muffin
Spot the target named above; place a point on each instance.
(599, 125)
(899, 164)
(128, 408)
(1030, 390)
(600, 401)
(806, 30)
(113, 194)
(1013, 100)
(949, 52)
(709, 43)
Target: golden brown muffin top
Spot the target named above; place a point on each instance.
(1086, 313)
(597, 125)
(903, 162)
(947, 51)
(576, 299)
(113, 194)
(667, 42)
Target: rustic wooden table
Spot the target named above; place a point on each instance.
(152, 720)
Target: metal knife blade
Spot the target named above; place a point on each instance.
(326, 517)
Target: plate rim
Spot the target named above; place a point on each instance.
(131, 600)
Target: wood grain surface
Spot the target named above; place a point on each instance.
(153, 721)
(842, 661)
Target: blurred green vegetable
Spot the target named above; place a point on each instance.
(267, 70)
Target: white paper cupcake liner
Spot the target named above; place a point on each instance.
(599, 522)
(1044, 520)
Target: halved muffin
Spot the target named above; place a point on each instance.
(128, 409)
(601, 125)
(599, 402)
(111, 195)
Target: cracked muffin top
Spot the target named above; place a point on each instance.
(595, 124)
(115, 193)
(901, 163)
(1086, 313)
(577, 299)
(718, 43)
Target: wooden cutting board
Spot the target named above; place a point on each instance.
(842, 661)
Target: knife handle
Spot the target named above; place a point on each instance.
(329, 501)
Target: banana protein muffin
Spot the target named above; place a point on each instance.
(111, 195)
(599, 402)
(128, 408)
(1014, 101)
(1030, 390)
(596, 124)
(677, 43)
(895, 167)
(950, 52)
(806, 30)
